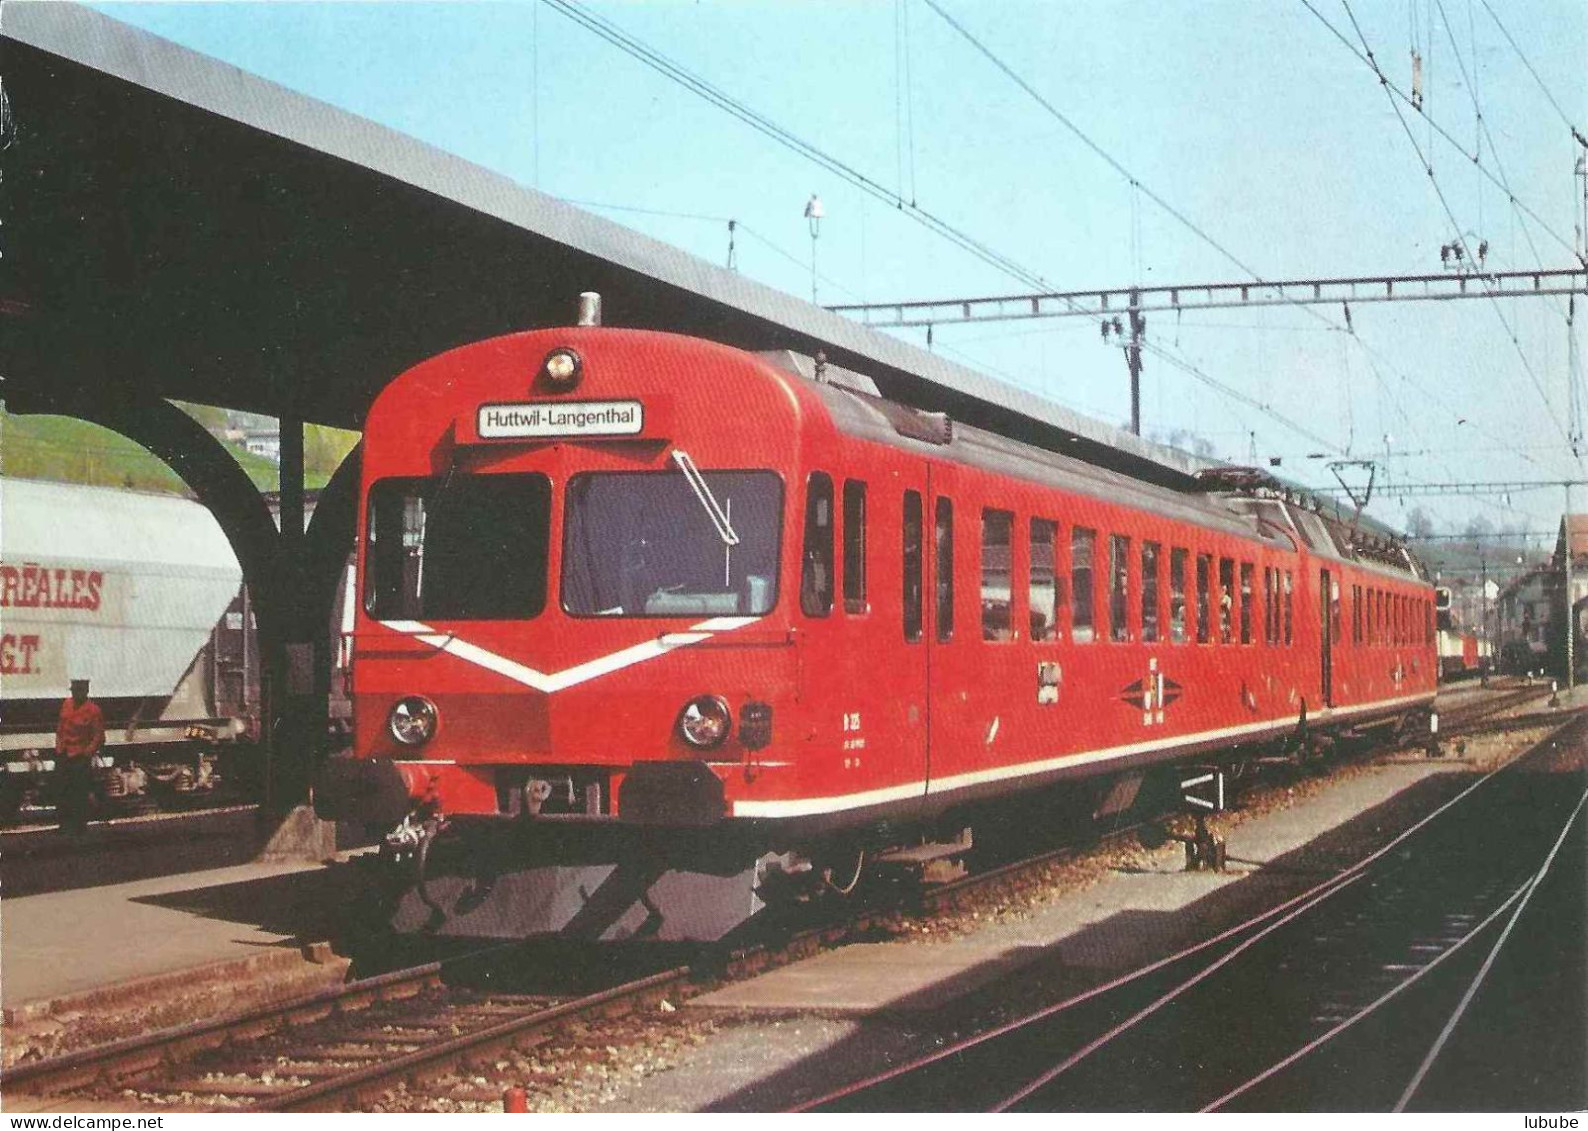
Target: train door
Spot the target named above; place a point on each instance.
(946, 679)
(981, 670)
(930, 625)
(864, 680)
(907, 636)
(1326, 636)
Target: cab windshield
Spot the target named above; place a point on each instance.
(644, 544)
(457, 547)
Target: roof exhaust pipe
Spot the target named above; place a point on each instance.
(589, 308)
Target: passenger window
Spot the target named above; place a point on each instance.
(1226, 600)
(944, 541)
(1149, 590)
(1177, 622)
(1271, 586)
(1204, 584)
(1246, 602)
(912, 565)
(1287, 606)
(816, 574)
(1268, 605)
(854, 546)
(997, 595)
(1356, 614)
(1046, 584)
(1119, 597)
(1083, 544)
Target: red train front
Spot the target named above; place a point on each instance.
(644, 617)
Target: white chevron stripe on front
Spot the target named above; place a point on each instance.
(580, 673)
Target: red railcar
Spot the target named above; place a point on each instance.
(643, 616)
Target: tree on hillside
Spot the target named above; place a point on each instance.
(1418, 524)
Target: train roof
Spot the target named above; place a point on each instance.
(1245, 502)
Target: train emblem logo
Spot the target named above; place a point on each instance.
(1151, 694)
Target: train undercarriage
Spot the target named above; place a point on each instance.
(537, 874)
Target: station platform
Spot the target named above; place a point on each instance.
(45, 858)
(67, 942)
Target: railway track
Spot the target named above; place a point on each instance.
(342, 1049)
(1363, 979)
(333, 1050)
(1466, 717)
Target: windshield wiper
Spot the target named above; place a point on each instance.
(697, 483)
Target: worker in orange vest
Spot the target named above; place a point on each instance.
(78, 737)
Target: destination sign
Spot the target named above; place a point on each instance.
(563, 419)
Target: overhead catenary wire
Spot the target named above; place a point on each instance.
(594, 23)
(617, 37)
(1520, 54)
(904, 96)
(1235, 394)
(1397, 93)
(1456, 224)
(1108, 158)
(705, 217)
(1574, 413)
(1487, 136)
(1135, 183)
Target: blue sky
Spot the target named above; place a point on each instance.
(1249, 118)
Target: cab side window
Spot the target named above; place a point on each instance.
(816, 571)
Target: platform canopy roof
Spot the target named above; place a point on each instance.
(176, 224)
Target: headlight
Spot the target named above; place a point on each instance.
(562, 368)
(413, 721)
(705, 721)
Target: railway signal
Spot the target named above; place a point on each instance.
(1203, 793)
